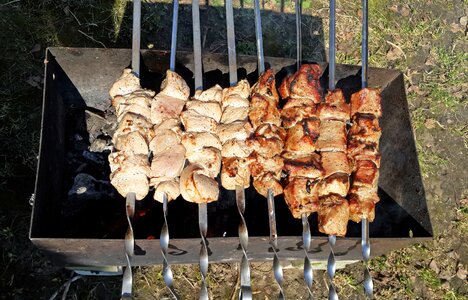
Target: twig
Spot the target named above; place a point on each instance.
(91, 38)
(233, 294)
(398, 47)
(8, 3)
(69, 10)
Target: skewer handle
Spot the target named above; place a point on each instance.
(277, 268)
(332, 47)
(175, 18)
(197, 48)
(259, 38)
(136, 31)
(365, 43)
(231, 41)
(306, 240)
(245, 291)
(164, 243)
(203, 226)
(299, 32)
(129, 243)
(365, 246)
(331, 268)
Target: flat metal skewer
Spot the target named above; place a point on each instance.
(164, 236)
(299, 33)
(202, 207)
(306, 236)
(129, 242)
(365, 242)
(245, 291)
(331, 264)
(259, 38)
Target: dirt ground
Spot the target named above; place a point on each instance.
(426, 40)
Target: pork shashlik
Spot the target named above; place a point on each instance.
(203, 147)
(363, 152)
(267, 141)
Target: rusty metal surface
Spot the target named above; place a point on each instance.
(79, 78)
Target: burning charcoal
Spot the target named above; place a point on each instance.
(100, 145)
(96, 158)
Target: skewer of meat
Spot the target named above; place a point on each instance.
(203, 147)
(266, 143)
(363, 152)
(129, 163)
(235, 173)
(167, 149)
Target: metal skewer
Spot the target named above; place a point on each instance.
(164, 237)
(331, 264)
(277, 268)
(202, 207)
(245, 291)
(127, 280)
(306, 236)
(365, 243)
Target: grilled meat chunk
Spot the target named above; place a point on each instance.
(295, 114)
(308, 166)
(363, 151)
(163, 141)
(366, 173)
(235, 171)
(333, 215)
(303, 84)
(170, 187)
(362, 200)
(260, 165)
(264, 110)
(239, 130)
(267, 181)
(366, 101)
(301, 196)
(168, 163)
(196, 187)
(126, 84)
(232, 114)
(133, 122)
(303, 136)
(335, 107)
(335, 162)
(332, 136)
(365, 128)
(210, 109)
(209, 158)
(194, 141)
(214, 93)
(236, 148)
(337, 183)
(174, 86)
(194, 122)
(132, 142)
(164, 107)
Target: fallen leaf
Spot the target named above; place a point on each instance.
(394, 53)
(434, 267)
(464, 20)
(461, 273)
(430, 123)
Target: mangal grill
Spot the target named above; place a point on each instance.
(79, 220)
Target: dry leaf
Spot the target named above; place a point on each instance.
(430, 123)
(434, 267)
(394, 53)
(461, 273)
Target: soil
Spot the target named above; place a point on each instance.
(426, 40)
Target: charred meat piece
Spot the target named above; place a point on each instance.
(235, 172)
(301, 196)
(337, 183)
(333, 215)
(335, 162)
(366, 101)
(365, 128)
(366, 173)
(267, 181)
(303, 84)
(260, 165)
(295, 114)
(358, 150)
(335, 107)
(332, 136)
(264, 110)
(308, 166)
(303, 136)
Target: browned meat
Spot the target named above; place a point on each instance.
(363, 151)
(335, 162)
(332, 136)
(264, 110)
(239, 130)
(266, 147)
(362, 202)
(301, 196)
(267, 181)
(366, 173)
(126, 84)
(303, 136)
(303, 84)
(266, 85)
(196, 187)
(210, 109)
(260, 165)
(295, 114)
(365, 128)
(366, 101)
(174, 86)
(308, 166)
(333, 215)
(337, 183)
(235, 172)
(335, 107)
